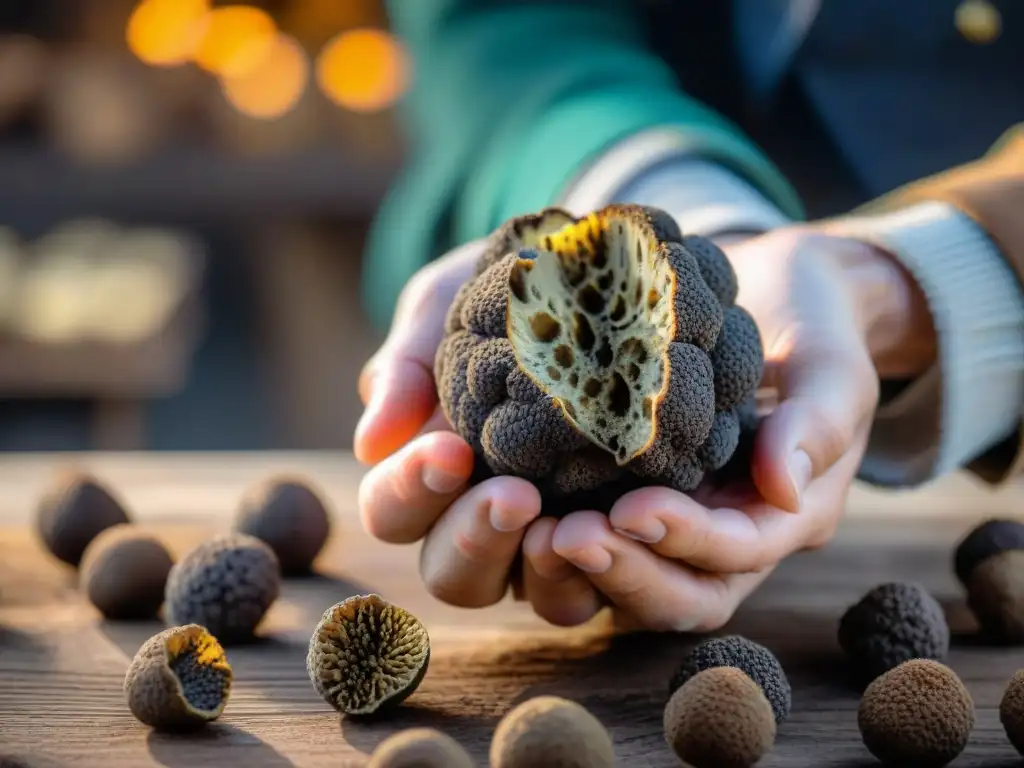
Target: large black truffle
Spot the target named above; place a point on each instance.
(225, 584)
(600, 353)
(753, 659)
(891, 624)
(917, 714)
(990, 538)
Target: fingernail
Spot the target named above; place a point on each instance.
(800, 471)
(506, 523)
(592, 560)
(439, 481)
(647, 531)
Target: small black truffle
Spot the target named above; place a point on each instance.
(124, 573)
(917, 714)
(756, 661)
(1011, 711)
(287, 514)
(995, 594)
(988, 539)
(891, 624)
(226, 584)
(73, 511)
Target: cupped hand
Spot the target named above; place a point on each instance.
(681, 562)
(418, 487)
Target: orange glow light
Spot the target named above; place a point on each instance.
(364, 70)
(236, 40)
(165, 33)
(273, 87)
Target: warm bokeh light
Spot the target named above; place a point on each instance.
(273, 87)
(165, 33)
(236, 39)
(317, 21)
(364, 70)
(979, 21)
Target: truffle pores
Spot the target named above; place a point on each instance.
(290, 517)
(225, 584)
(1011, 711)
(124, 573)
(551, 732)
(891, 624)
(367, 655)
(420, 748)
(918, 714)
(756, 661)
(719, 718)
(178, 680)
(73, 511)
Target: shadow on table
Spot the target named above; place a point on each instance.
(317, 591)
(472, 731)
(206, 747)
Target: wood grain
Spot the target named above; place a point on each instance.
(61, 666)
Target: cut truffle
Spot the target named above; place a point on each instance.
(1011, 711)
(891, 624)
(918, 714)
(987, 539)
(179, 679)
(420, 748)
(600, 333)
(995, 594)
(124, 573)
(367, 655)
(225, 584)
(719, 718)
(753, 659)
(551, 732)
(290, 517)
(73, 511)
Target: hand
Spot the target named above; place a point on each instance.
(827, 308)
(472, 537)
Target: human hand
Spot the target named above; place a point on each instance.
(418, 488)
(829, 309)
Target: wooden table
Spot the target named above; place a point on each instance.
(61, 666)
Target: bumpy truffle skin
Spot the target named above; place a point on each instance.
(891, 624)
(751, 658)
(639, 353)
(72, 512)
(290, 517)
(124, 573)
(551, 732)
(918, 714)
(367, 656)
(420, 748)
(995, 594)
(225, 584)
(987, 539)
(719, 719)
(1011, 711)
(180, 679)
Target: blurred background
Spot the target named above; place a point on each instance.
(184, 190)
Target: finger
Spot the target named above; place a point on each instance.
(402, 497)
(826, 395)
(557, 590)
(467, 555)
(661, 594)
(723, 539)
(397, 384)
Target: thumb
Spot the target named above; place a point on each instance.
(397, 384)
(826, 396)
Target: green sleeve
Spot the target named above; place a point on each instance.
(511, 99)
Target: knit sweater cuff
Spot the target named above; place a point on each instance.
(972, 398)
(658, 167)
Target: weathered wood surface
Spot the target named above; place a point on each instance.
(61, 666)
